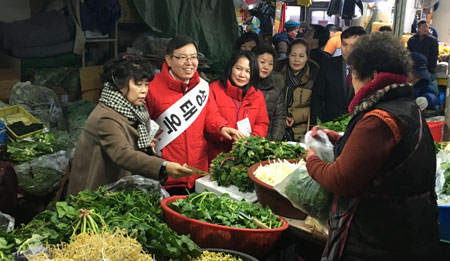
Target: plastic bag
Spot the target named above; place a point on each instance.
(42, 175)
(76, 114)
(41, 102)
(7, 222)
(138, 182)
(442, 156)
(304, 192)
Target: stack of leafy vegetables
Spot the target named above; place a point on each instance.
(222, 210)
(139, 213)
(338, 125)
(25, 150)
(231, 168)
(446, 188)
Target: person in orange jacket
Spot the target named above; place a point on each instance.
(239, 101)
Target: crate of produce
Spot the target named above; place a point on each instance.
(14, 116)
(444, 222)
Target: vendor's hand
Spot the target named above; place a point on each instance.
(152, 145)
(332, 135)
(311, 152)
(177, 171)
(231, 134)
(289, 121)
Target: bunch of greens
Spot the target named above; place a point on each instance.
(139, 213)
(446, 188)
(305, 191)
(222, 210)
(339, 124)
(25, 150)
(438, 147)
(231, 168)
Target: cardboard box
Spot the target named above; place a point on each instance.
(129, 13)
(91, 86)
(9, 75)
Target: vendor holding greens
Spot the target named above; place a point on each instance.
(383, 179)
(115, 142)
(238, 101)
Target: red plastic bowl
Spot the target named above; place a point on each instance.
(255, 242)
(267, 195)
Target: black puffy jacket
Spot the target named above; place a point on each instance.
(274, 90)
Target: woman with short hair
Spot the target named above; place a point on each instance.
(273, 89)
(115, 142)
(383, 179)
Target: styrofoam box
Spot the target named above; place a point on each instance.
(212, 186)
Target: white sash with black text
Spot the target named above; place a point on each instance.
(176, 119)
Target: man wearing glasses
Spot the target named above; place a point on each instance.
(178, 100)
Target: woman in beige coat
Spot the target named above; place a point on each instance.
(115, 141)
(299, 73)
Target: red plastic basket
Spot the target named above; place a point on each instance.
(256, 242)
(436, 129)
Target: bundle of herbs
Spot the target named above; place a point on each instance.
(231, 168)
(24, 150)
(446, 188)
(139, 213)
(339, 124)
(222, 210)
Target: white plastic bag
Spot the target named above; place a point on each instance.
(302, 191)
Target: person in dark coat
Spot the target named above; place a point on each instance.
(383, 179)
(423, 42)
(272, 86)
(283, 39)
(317, 38)
(332, 91)
(247, 41)
(424, 93)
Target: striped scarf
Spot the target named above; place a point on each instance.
(115, 100)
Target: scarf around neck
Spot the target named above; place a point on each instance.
(116, 101)
(292, 82)
(374, 91)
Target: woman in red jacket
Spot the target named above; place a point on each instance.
(238, 101)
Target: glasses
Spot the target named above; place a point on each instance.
(184, 58)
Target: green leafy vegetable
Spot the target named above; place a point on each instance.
(24, 150)
(222, 210)
(231, 168)
(338, 125)
(303, 190)
(446, 188)
(139, 213)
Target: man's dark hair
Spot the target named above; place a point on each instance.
(247, 37)
(178, 42)
(421, 23)
(299, 41)
(321, 33)
(333, 28)
(380, 52)
(353, 31)
(254, 69)
(124, 67)
(385, 28)
(265, 48)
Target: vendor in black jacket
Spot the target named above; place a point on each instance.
(423, 42)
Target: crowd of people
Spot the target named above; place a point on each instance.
(159, 126)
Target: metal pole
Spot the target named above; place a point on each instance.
(399, 17)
